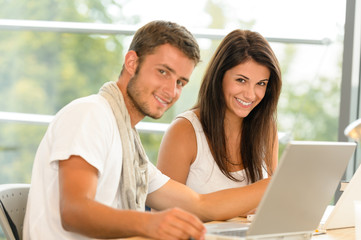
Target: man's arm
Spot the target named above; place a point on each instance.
(82, 214)
(220, 205)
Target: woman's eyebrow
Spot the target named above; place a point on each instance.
(241, 75)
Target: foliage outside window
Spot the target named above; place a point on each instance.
(40, 72)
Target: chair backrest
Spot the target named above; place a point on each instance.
(13, 199)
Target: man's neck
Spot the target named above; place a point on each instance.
(135, 116)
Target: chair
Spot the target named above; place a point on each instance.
(13, 199)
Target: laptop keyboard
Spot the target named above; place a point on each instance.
(236, 233)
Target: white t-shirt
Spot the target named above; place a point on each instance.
(86, 127)
(204, 174)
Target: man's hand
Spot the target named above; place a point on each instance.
(175, 224)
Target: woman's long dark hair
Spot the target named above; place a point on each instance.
(259, 128)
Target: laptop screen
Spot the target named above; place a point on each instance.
(302, 187)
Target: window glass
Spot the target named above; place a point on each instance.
(41, 71)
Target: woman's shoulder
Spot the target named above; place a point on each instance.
(190, 115)
(182, 130)
(179, 144)
(183, 124)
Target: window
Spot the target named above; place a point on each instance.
(52, 52)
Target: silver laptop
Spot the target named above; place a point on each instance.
(342, 215)
(299, 192)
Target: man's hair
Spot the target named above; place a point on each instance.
(157, 33)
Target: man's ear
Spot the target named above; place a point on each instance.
(131, 62)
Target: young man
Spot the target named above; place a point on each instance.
(91, 178)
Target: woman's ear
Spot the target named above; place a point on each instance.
(131, 62)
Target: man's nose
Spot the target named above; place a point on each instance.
(170, 88)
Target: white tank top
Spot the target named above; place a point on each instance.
(204, 174)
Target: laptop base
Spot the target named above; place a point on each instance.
(293, 236)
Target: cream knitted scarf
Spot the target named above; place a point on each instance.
(134, 176)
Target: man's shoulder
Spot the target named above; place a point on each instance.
(94, 99)
(90, 107)
(93, 102)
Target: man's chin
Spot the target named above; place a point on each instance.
(156, 115)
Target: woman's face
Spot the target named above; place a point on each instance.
(244, 86)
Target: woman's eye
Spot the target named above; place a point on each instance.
(162, 72)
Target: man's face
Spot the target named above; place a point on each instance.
(159, 80)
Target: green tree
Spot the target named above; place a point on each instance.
(40, 72)
(309, 110)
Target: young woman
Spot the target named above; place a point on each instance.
(229, 139)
